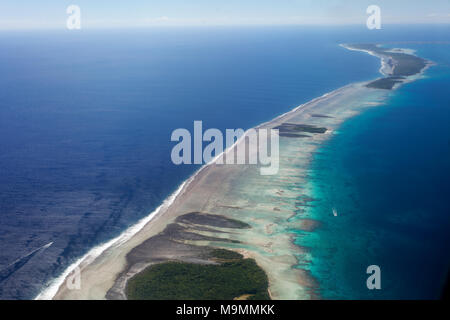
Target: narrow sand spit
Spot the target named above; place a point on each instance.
(235, 207)
(271, 205)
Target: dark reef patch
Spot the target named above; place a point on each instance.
(292, 130)
(403, 65)
(385, 83)
(316, 115)
(212, 220)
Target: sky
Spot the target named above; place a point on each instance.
(51, 14)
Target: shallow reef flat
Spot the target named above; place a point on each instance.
(236, 208)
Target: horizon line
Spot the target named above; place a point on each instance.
(63, 28)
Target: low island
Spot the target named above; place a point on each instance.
(397, 64)
(229, 232)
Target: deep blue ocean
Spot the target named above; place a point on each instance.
(86, 119)
(387, 174)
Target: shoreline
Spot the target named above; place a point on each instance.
(52, 290)
(384, 70)
(114, 252)
(411, 66)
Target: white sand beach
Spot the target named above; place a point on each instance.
(272, 205)
(267, 203)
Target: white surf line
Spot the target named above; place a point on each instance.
(307, 103)
(277, 118)
(383, 58)
(52, 288)
(412, 52)
(50, 291)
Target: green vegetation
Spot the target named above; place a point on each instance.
(233, 278)
(227, 255)
(406, 64)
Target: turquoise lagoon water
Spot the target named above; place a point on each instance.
(387, 174)
(86, 118)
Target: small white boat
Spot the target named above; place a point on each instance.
(334, 212)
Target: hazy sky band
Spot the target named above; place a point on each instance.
(31, 14)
